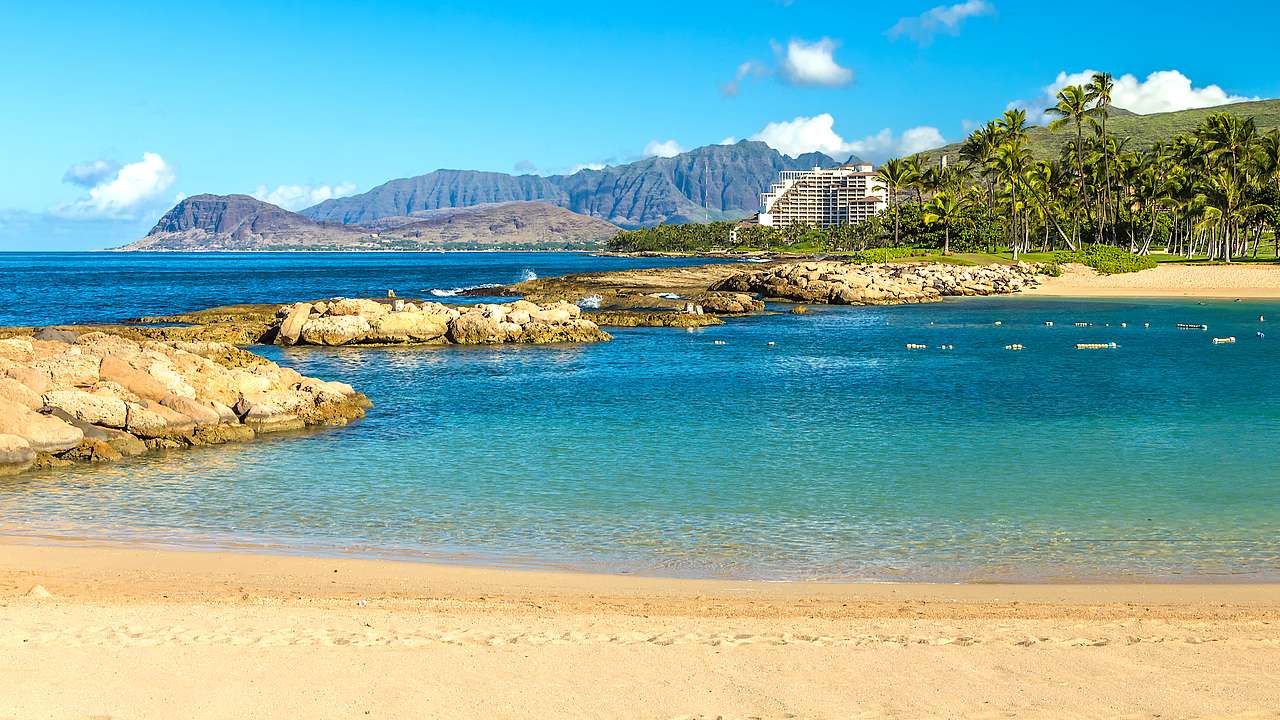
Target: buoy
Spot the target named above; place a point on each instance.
(1048, 323)
(1082, 324)
(1185, 326)
(1224, 341)
(917, 346)
(771, 343)
(1096, 346)
(719, 342)
(1261, 319)
(946, 347)
(1124, 325)
(999, 323)
(1146, 325)
(1014, 346)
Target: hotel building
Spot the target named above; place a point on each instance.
(822, 197)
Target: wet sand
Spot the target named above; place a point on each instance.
(131, 633)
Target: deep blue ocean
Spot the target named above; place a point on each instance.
(833, 454)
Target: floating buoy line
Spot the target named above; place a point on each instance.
(1096, 346)
(1185, 326)
(1225, 341)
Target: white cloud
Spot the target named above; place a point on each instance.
(586, 166)
(666, 149)
(297, 197)
(817, 134)
(814, 64)
(731, 140)
(941, 19)
(1162, 91)
(122, 195)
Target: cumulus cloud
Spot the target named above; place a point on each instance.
(586, 166)
(88, 174)
(666, 149)
(118, 195)
(947, 19)
(817, 134)
(1161, 91)
(297, 197)
(731, 140)
(814, 63)
(799, 63)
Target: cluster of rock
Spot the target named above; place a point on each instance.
(844, 283)
(355, 321)
(98, 396)
(728, 303)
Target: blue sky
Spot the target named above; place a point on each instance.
(114, 112)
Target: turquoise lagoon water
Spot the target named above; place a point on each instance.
(834, 454)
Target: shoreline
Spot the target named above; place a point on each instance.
(100, 632)
(530, 564)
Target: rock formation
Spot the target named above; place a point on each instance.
(845, 283)
(355, 321)
(102, 397)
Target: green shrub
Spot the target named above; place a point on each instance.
(1106, 259)
(1052, 269)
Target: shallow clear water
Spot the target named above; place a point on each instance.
(834, 454)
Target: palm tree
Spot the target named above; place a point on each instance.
(945, 209)
(1073, 109)
(1099, 92)
(894, 175)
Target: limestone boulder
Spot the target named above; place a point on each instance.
(20, 393)
(43, 433)
(473, 328)
(408, 327)
(139, 382)
(89, 407)
(39, 381)
(17, 349)
(201, 413)
(291, 327)
(70, 369)
(16, 454)
(149, 420)
(358, 307)
(334, 330)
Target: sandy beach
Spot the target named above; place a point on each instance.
(132, 633)
(1167, 280)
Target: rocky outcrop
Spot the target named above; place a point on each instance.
(356, 321)
(728, 303)
(102, 397)
(844, 283)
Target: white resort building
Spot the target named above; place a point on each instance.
(822, 198)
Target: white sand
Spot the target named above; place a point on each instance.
(142, 634)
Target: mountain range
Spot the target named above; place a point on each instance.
(715, 182)
(241, 222)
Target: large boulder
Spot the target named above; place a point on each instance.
(358, 306)
(473, 328)
(151, 420)
(334, 330)
(138, 382)
(407, 327)
(20, 393)
(291, 326)
(90, 407)
(16, 454)
(43, 432)
(70, 369)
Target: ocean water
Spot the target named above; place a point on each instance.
(833, 454)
